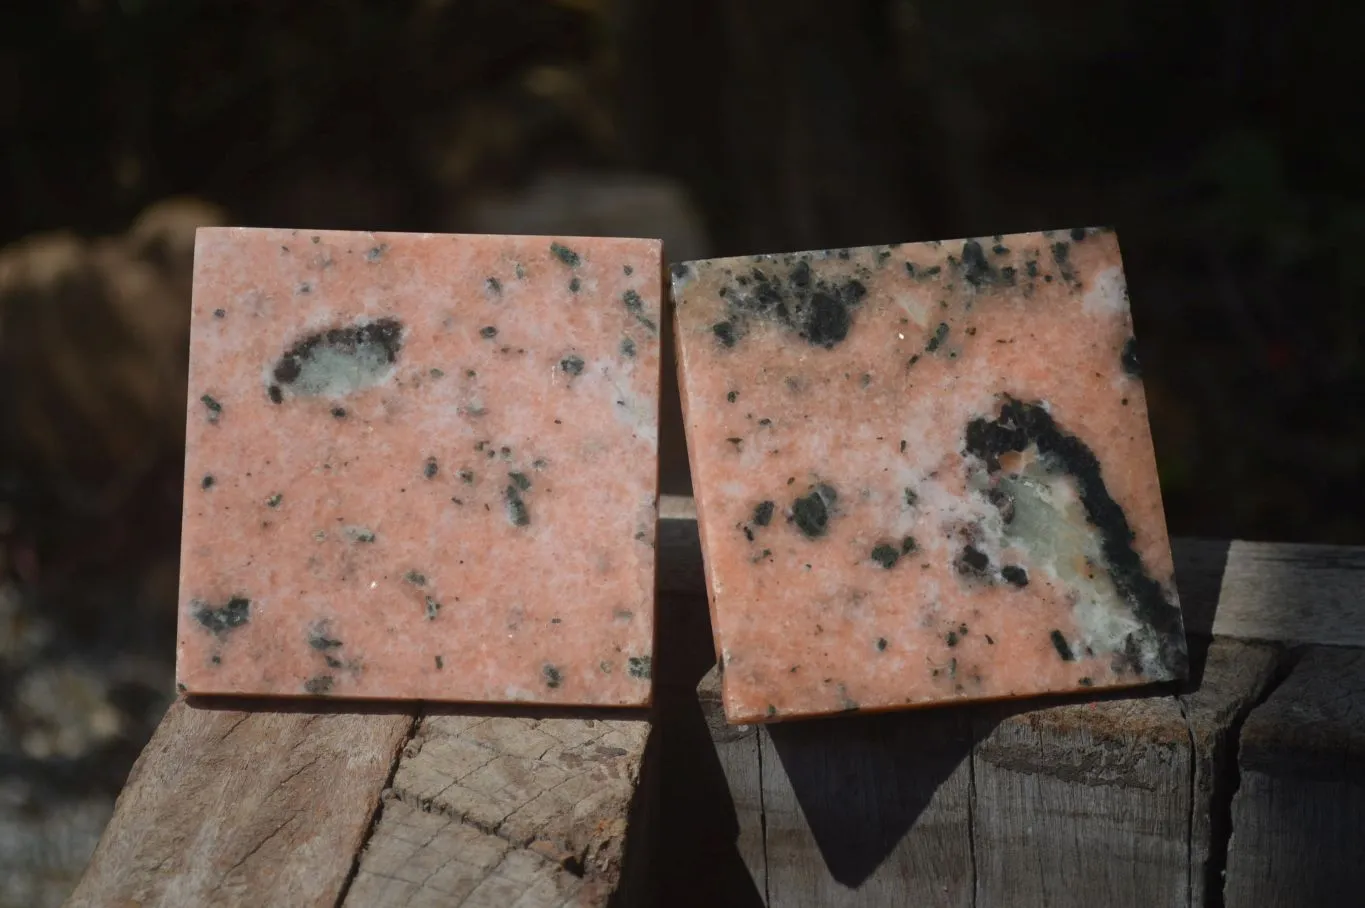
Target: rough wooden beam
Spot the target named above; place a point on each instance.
(1272, 592)
(1298, 818)
(227, 806)
(1082, 804)
(1230, 680)
(498, 810)
(1120, 800)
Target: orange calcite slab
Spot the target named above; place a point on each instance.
(924, 474)
(421, 466)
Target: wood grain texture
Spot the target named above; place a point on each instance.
(737, 747)
(506, 810)
(1232, 676)
(1120, 800)
(1293, 593)
(229, 807)
(1082, 804)
(1298, 817)
(1273, 592)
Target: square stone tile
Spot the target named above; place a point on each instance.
(421, 466)
(924, 474)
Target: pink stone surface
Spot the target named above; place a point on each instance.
(924, 475)
(421, 466)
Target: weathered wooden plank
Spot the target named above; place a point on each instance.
(1121, 800)
(1273, 592)
(499, 810)
(1293, 593)
(738, 749)
(1230, 678)
(233, 807)
(1061, 805)
(1083, 803)
(1298, 817)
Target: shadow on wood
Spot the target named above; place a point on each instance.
(706, 854)
(864, 782)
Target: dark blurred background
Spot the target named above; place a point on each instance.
(1216, 135)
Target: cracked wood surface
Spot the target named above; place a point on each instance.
(1298, 817)
(230, 807)
(503, 811)
(1111, 800)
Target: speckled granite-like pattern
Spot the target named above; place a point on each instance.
(924, 474)
(421, 466)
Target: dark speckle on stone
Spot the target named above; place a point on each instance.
(881, 644)
(1061, 254)
(1014, 575)
(1000, 249)
(572, 364)
(640, 666)
(233, 614)
(220, 313)
(339, 412)
(433, 608)
(494, 286)
(627, 347)
(811, 511)
(520, 480)
(975, 269)
(319, 639)
(1078, 234)
(565, 255)
(440, 663)
(1129, 358)
(939, 336)
(886, 555)
(214, 408)
(517, 511)
(951, 638)
(552, 676)
(972, 561)
(908, 545)
(575, 285)
(828, 322)
(1087, 681)
(377, 252)
(911, 499)
(628, 270)
(467, 476)
(416, 578)
(338, 360)
(1063, 648)
(488, 332)
(1031, 268)
(636, 307)
(319, 685)
(678, 270)
(725, 333)
(732, 396)
(1021, 425)
(430, 468)
(274, 500)
(206, 482)
(763, 513)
